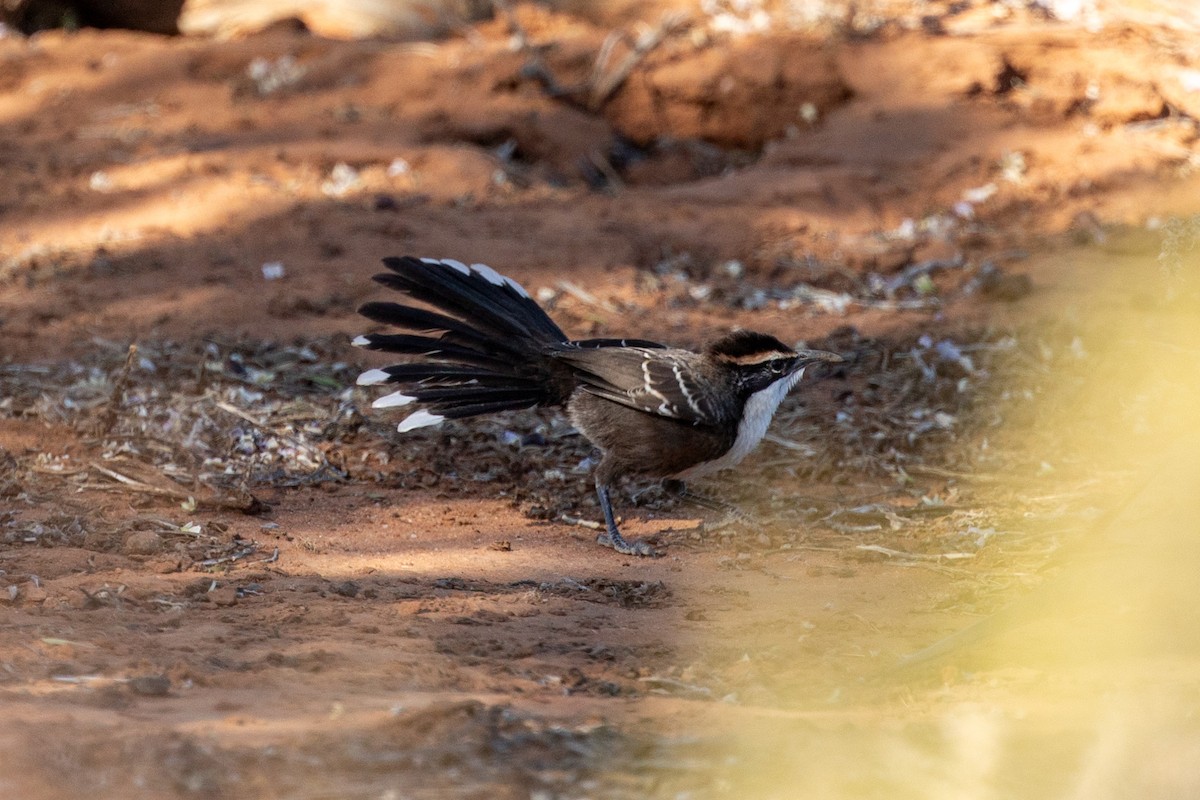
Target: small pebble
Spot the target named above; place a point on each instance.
(142, 543)
(223, 596)
(347, 589)
(273, 270)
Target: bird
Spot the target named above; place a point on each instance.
(484, 345)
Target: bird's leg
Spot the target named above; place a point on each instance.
(612, 537)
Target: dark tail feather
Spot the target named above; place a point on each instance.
(433, 373)
(477, 293)
(446, 397)
(424, 346)
(453, 331)
(488, 348)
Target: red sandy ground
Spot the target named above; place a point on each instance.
(447, 667)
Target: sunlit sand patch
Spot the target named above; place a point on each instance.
(1082, 686)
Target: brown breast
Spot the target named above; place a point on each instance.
(637, 443)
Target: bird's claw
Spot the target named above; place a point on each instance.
(638, 547)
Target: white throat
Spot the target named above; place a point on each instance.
(756, 416)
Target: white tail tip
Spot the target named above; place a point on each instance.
(372, 377)
(482, 270)
(488, 274)
(419, 419)
(516, 287)
(393, 400)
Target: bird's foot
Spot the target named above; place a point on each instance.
(638, 547)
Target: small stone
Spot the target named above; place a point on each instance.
(347, 589)
(223, 596)
(273, 270)
(142, 543)
(164, 565)
(34, 593)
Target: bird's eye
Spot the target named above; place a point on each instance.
(778, 367)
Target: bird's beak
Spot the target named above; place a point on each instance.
(806, 357)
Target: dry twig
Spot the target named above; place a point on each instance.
(605, 86)
(887, 551)
(245, 505)
(113, 409)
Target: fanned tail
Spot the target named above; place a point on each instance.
(483, 349)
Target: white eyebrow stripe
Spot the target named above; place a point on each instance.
(753, 359)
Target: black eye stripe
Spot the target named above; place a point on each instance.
(772, 369)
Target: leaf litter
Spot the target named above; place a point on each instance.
(223, 425)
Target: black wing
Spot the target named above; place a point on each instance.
(656, 380)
